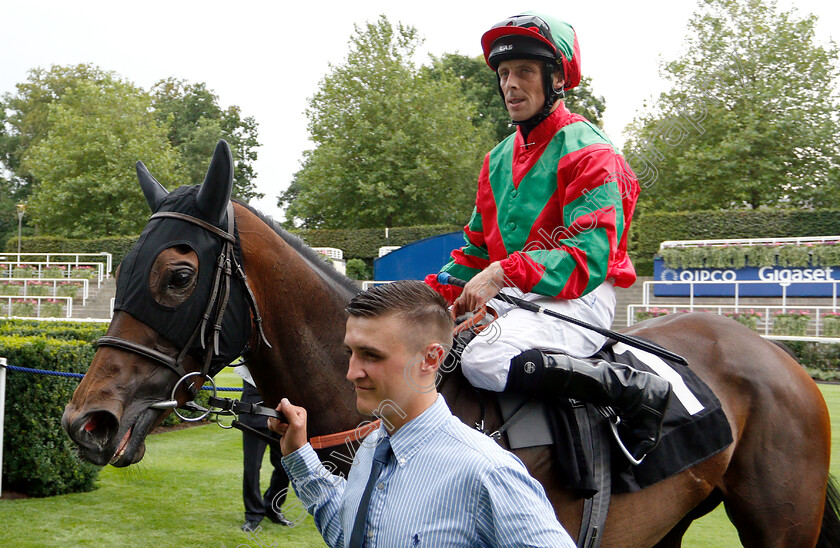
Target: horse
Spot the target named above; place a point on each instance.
(773, 478)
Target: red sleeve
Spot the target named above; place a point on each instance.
(449, 292)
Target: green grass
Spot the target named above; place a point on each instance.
(187, 492)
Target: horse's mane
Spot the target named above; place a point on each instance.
(345, 284)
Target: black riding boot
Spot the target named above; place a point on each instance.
(638, 397)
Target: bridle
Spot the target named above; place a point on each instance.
(226, 266)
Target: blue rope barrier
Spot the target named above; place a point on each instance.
(80, 375)
(44, 372)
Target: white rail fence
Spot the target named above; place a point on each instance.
(28, 285)
(10, 270)
(61, 258)
(43, 285)
(748, 241)
(34, 305)
(767, 319)
(783, 285)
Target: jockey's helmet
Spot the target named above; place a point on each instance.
(536, 36)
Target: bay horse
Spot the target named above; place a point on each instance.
(773, 479)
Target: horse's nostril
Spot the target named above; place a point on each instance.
(90, 425)
(101, 426)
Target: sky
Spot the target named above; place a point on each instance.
(269, 57)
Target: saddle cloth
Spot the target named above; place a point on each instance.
(695, 427)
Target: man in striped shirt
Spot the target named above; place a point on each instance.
(441, 483)
(550, 224)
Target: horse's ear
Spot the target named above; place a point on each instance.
(152, 189)
(214, 194)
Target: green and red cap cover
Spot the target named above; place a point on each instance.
(534, 36)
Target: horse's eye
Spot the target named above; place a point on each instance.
(173, 276)
(180, 278)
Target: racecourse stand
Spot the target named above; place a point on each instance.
(90, 265)
(385, 249)
(335, 256)
(782, 301)
(62, 285)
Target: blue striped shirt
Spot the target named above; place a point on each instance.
(444, 485)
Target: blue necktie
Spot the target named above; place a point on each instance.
(380, 457)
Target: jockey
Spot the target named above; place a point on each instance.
(550, 223)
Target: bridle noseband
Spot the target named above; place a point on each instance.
(226, 265)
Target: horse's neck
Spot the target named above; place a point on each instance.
(466, 402)
(304, 318)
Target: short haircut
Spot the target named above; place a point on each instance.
(411, 300)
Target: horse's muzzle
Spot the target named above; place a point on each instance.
(94, 433)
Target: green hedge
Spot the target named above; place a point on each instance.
(365, 243)
(358, 269)
(39, 459)
(651, 229)
(814, 254)
(821, 360)
(69, 331)
(356, 243)
(74, 331)
(648, 231)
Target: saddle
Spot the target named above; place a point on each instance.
(586, 450)
(694, 429)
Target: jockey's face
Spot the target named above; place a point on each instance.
(391, 374)
(522, 84)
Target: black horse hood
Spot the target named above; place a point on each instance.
(177, 324)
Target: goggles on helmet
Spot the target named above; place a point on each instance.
(552, 37)
(526, 26)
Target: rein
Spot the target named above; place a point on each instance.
(226, 265)
(318, 442)
(228, 406)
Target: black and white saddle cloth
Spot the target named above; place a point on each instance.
(695, 427)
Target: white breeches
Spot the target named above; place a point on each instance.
(486, 359)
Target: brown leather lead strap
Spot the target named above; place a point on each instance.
(339, 438)
(317, 442)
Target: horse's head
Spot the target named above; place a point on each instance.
(181, 307)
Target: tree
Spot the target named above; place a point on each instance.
(51, 101)
(8, 211)
(196, 122)
(24, 116)
(393, 147)
(750, 119)
(582, 100)
(85, 162)
(480, 87)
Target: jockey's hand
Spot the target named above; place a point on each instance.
(483, 287)
(293, 432)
